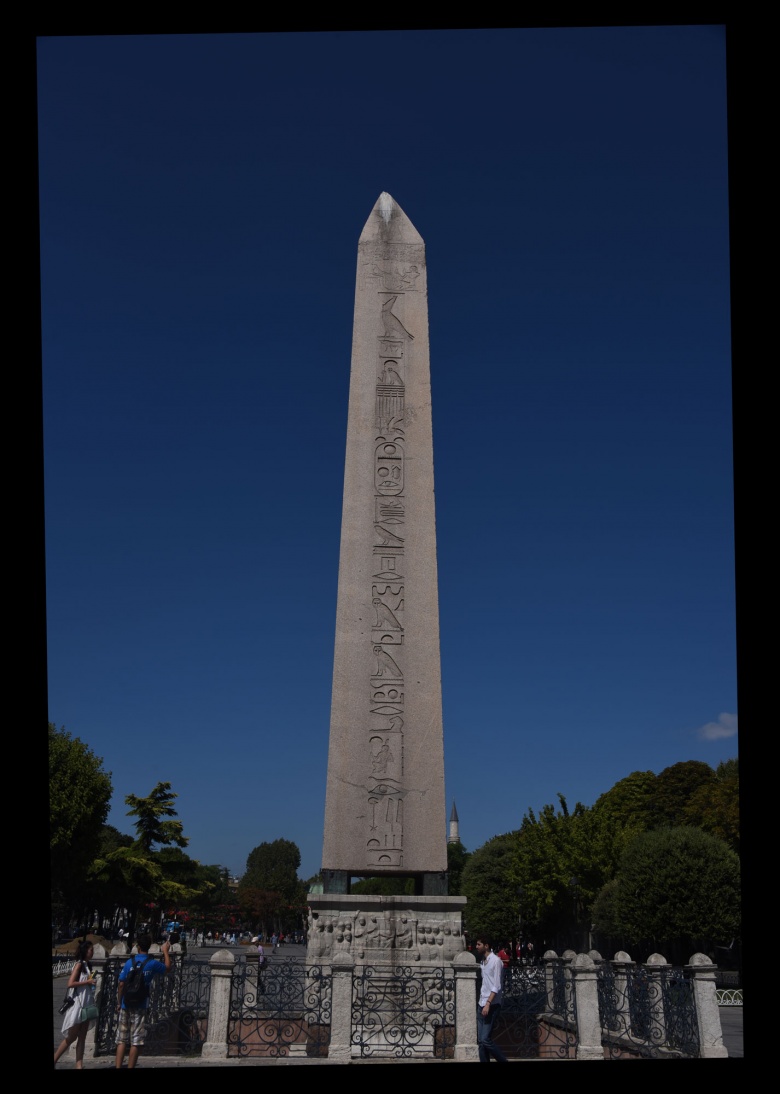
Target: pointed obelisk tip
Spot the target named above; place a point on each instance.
(389, 223)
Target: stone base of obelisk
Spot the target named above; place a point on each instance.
(385, 930)
(404, 946)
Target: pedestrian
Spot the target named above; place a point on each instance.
(81, 989)
(132, 1010)
(262, 963)
(490, 999)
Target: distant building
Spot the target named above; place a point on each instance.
(454, 836)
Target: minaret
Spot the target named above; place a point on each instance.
(385, 807)
(454, 836)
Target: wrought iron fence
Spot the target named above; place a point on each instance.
(537, 1016)
(648, 1013)
(403, 1012)
(177, 1009)
(282, 1010)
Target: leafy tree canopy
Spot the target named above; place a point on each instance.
(490, 883)
(79, 798)
(273, 866)
(714, 805)
(151, 827)
(677, 892)
(457, 857)
(383, 886)
(630, 800)
(674, 788)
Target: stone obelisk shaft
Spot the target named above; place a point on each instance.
(385, 805)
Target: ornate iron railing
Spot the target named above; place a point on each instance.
(282, 1010)
(649, 1013)
(403, 1012)
(537, 1015)
(177, 1009)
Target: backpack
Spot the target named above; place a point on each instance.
(136, 989)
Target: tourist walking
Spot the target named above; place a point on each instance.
(82, 1010)
(132, 997)
(490, 999)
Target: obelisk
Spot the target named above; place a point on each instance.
(385, 806)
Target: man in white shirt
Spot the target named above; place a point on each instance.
(490, 999)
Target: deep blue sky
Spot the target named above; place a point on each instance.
(201, 199)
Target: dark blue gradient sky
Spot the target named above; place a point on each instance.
(201, 200)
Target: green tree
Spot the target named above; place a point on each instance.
(135, 870)
(270, 892)
(79, 798)
(677, 892)
(383, 886)
(714, 806)
(490, 884)
(673, 790)
(151, 827)
(630, 800)
(457, 857)
(565, 858)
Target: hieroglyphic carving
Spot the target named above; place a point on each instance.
(394, 328)
(389, 468)
(384, 782)
(387, 700)
(393, 267)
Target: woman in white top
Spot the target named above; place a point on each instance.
(81, 989)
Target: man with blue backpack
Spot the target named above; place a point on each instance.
(132, 997)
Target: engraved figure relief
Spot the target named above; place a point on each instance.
(405, 937)
(321, 936)
(381, 758)
(386, 751)
(385, 665)
(389, 376)
(386, 537)
(396, 278)
(454, 943)
(387, 628)
(393, 326)
(384, 617)
(395, 266)
(342, 936)
(366, 933)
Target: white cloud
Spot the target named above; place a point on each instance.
(726, 726)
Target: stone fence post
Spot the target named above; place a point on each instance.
(584, 982)
(215, 1047)
(656, 965)
(465, 969)
(553, 981)
(98, 967)
(702, 972)
(341, 1008)
(621, 963)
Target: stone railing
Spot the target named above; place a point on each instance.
(575, 983)
(648, 1009)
